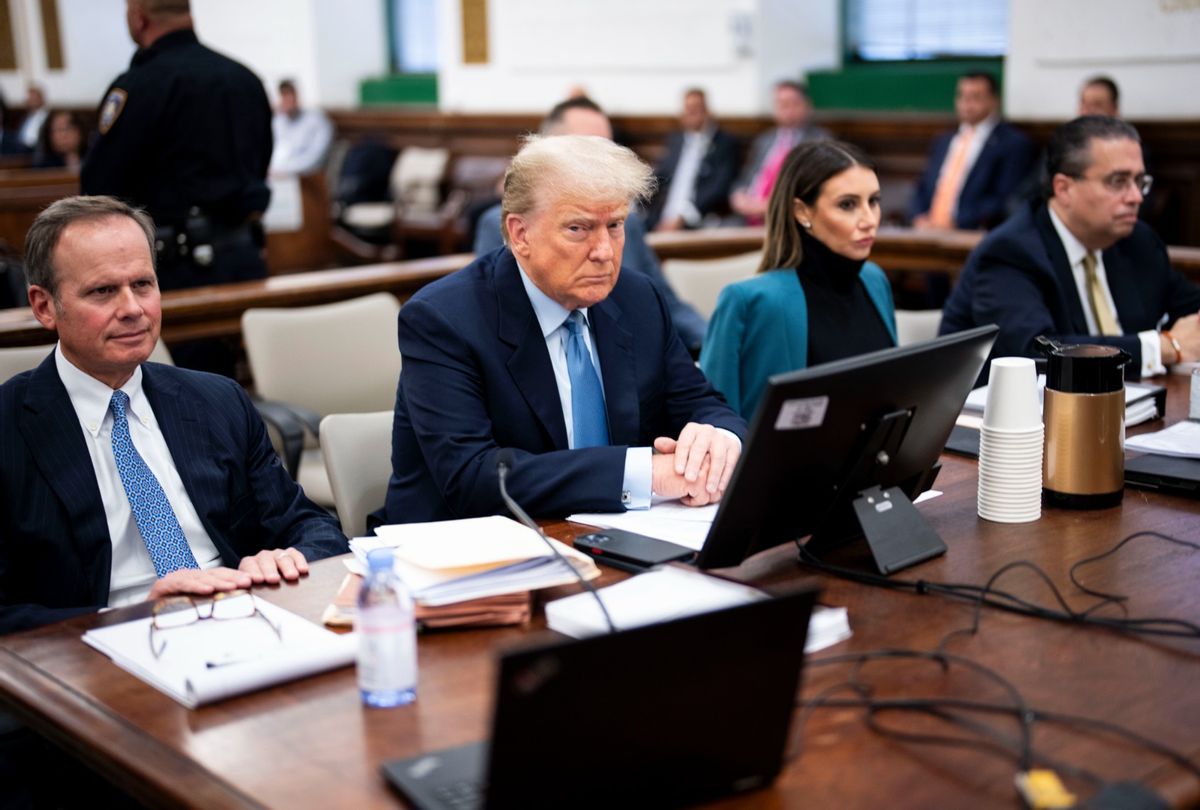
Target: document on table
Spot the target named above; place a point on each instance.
(214, 659)
(671, 593)
(1181, 439)
(452, 561)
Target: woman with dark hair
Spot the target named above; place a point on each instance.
(61, 143)
(816, 298)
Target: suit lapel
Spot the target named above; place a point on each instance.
(614, 346)
(49, 425)
(1126, 293)
(1060, 270)
(529, 363)
(186, 433)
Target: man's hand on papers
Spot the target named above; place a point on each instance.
(274, 564)
(697, 466)
(196, 582)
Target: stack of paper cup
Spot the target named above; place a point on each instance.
(1010, 444)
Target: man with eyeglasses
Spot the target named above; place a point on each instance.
(1080, 267)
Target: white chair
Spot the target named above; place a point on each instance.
(15, 360)
(915, 325)
(333, 358)
(358, 461)
(699, 282)
(415, 183)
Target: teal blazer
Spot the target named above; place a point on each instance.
(760, 328)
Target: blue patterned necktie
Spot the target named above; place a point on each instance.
(152, 511)
(587, 398)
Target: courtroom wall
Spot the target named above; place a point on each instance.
(633, 56)
(1150, 47)
(327, 45)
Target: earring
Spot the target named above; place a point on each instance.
(807, 225)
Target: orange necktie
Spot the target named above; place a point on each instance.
(950, 182)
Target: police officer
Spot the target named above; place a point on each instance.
(186, 134)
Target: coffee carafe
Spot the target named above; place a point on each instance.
(1084, 414)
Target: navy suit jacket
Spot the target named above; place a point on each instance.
(55, 549)
(714, 178)
(1018, 278)
(477, 378)
(1003, 163)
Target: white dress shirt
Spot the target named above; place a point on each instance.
(681, 194)
(31, 127)
(301, 143)
(1151, 345)
(551, 315)
(132, 569)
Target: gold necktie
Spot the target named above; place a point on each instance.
(1105, 320)
(949, 184)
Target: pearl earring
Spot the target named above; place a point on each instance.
(807, 225)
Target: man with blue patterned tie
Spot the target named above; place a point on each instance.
(122, 480)
(545, 347)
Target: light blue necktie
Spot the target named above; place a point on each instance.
(587, 398)
(152, 511)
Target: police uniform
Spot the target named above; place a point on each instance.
(186, 134)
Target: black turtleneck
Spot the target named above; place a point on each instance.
(842, 320)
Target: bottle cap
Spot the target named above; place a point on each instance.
(1086, 369)
(380, 560)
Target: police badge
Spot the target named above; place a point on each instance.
(110, 110)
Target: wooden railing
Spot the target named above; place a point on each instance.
(217, 310)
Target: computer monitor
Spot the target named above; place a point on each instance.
(837, 452)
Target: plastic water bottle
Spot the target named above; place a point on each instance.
(387, 631)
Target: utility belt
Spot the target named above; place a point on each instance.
(200, 238)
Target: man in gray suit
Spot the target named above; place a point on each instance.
(792, 127)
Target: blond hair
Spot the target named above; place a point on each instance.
(574, 167)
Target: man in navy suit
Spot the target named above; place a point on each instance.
(1081, 268)
(695, 175)
(545, 347)
(71, 533)
(973, 171)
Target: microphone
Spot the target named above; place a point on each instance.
(504, 463)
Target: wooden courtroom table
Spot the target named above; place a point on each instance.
(311, 743)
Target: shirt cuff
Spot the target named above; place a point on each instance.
(635, 489)
(1151, 353)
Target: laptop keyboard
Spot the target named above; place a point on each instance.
(465, 794)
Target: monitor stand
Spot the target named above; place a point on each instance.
(897, 534)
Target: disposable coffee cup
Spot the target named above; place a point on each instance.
(1012, 398)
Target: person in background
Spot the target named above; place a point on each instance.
(792, 109)
(695, 175)
(35, 116)
(973, 171)
(61, 143)
(185, 133)
(302, 136)
(1079, 267)
(582, 116)
(1100, 96)
(816, 298)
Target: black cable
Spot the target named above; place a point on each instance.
(1002, 600)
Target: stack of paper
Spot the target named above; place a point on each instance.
(666, 520)
(672, 593)
(1181, 439)
(455, 560)
(1142, 402)
(490, 611)
(214, 659)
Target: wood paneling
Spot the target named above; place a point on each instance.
(52, 35)
(8, 44)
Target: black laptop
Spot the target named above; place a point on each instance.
(661, 715)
